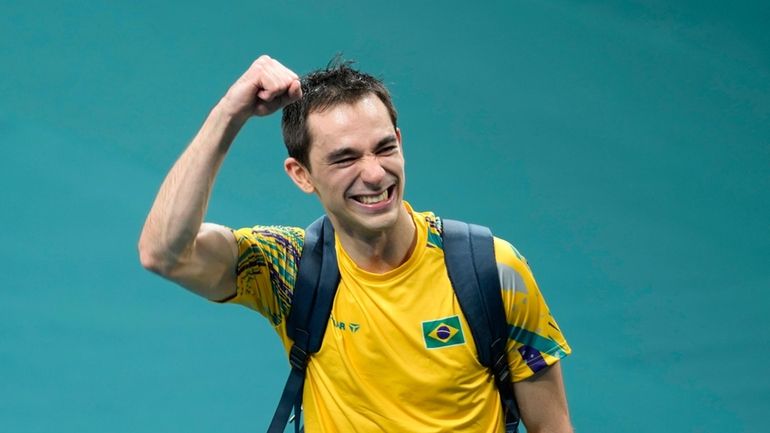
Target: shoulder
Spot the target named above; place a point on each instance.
(515, 273)
(270, 236)
(268, 258)
(277, 247)
(506, 253)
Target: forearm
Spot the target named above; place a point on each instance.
(180, 206)
(558, 428)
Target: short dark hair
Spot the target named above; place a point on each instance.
(338, 83)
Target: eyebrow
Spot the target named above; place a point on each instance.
(346, 152)
(389, 139)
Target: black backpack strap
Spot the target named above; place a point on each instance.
(316, 284)
(478, 291)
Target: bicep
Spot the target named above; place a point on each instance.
(542, 401)
(209, 269)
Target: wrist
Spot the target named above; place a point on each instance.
(231, 113)
(221, 126)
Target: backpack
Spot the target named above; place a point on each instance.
(470, 262)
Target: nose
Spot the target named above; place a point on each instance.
(372, 172)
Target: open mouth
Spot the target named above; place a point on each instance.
(373, 199)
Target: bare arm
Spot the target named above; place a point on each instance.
(543, 403)
(175, 242)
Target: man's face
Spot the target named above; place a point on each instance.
(357, 165)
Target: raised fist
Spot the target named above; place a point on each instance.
(265, 87)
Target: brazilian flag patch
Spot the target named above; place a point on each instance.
(443, 332)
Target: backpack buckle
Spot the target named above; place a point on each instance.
(501, 370)
(298, 358)
(500, 366)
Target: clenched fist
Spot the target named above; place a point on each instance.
(265, 87)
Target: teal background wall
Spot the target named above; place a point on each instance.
(622, 146)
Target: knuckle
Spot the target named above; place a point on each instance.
(261, 61)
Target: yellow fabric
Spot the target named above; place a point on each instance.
(390, 359)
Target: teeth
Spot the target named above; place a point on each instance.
(371, 199)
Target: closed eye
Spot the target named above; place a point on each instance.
(344, 161)
(387, 150)
(342, 156)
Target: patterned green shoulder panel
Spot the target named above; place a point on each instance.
(435, 228)
(275, 251)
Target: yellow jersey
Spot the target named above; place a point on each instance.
(397, 355)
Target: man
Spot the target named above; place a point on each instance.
(383, 365)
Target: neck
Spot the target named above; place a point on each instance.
(383, 251)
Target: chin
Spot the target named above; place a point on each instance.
(375, 223)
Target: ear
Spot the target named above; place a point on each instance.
(299, 174)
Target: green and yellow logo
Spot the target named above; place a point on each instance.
(443, 332)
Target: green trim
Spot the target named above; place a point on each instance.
(538, 342)
(435, 239)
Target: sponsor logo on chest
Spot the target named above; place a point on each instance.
(349, 326)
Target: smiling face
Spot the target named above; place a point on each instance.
(356, 167)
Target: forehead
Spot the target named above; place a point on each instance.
(349, 124)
